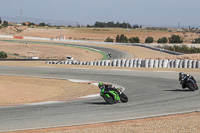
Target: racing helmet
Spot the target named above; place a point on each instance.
(180, 74)
(100, 84)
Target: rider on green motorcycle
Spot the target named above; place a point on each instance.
(112, 94)
(106, 87)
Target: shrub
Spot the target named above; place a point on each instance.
(162, 40)
(109, 39)
(197, 40)
(149, 40)
(175, 39)
(5, 24)
(122, 38)
(134, 40)
(3, 55)
(183, 49)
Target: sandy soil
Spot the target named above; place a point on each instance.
(21, 90)
(181, 123)
(48, 51)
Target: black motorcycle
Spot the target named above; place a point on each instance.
(191, 84)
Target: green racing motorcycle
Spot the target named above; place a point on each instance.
(113, 96)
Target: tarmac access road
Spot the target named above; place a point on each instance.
(150, 94)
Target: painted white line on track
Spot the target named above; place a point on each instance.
(90, 96)
(165, 71)
(44, 103)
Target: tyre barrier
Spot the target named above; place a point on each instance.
(147, 63)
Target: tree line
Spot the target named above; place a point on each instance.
(173, 39)
(112, 24)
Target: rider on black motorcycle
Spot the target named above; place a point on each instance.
(183, 79)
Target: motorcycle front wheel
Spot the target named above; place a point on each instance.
(123, 98)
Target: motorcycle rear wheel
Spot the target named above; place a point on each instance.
(109, 99)
(191, 86)
(197, 87)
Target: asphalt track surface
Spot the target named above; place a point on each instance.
(150, 94)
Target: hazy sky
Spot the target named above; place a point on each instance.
(153, 12)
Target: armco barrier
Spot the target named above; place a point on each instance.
(147, 63)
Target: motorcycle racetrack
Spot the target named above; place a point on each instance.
(150, 94)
